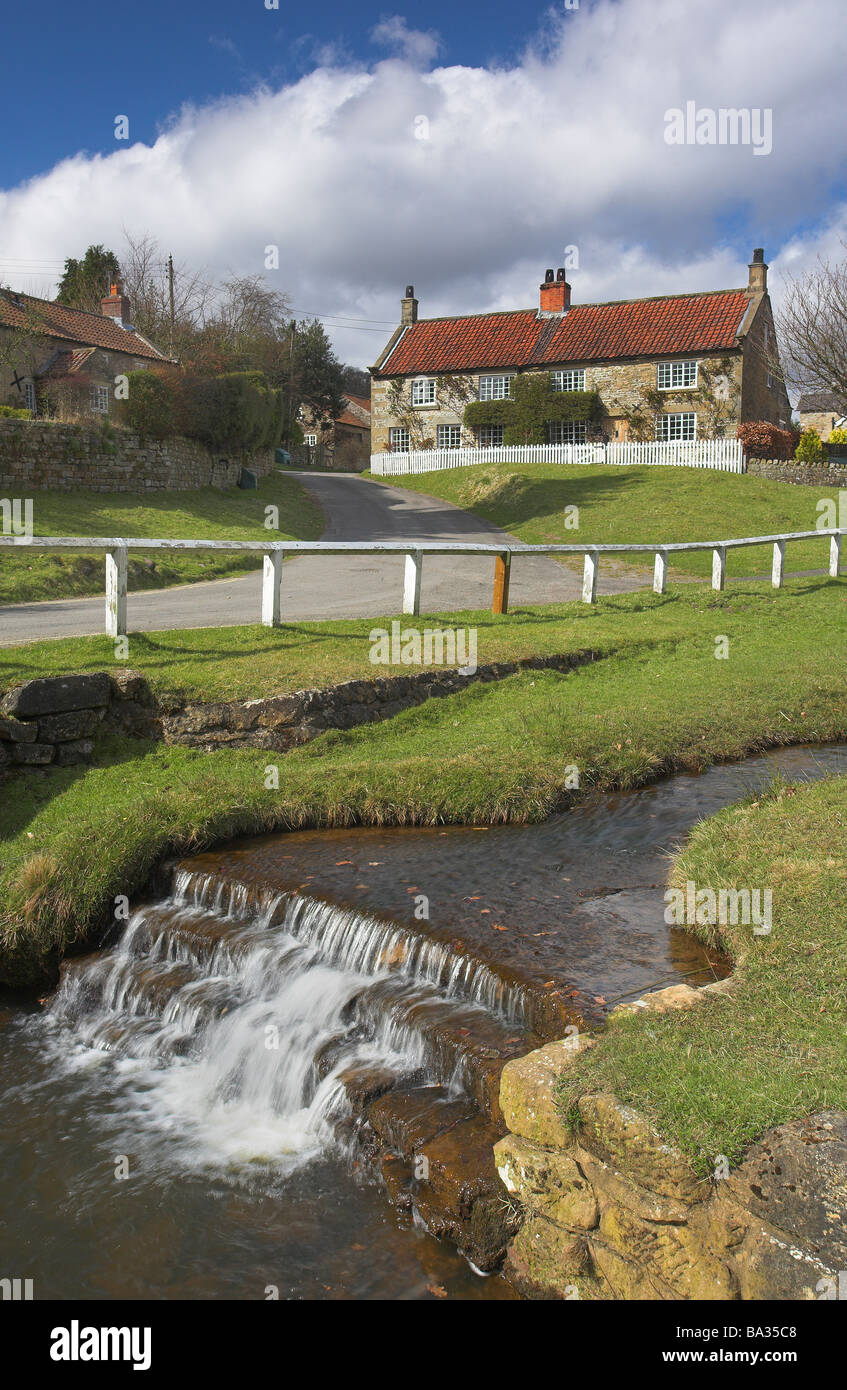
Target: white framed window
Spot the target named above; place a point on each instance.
(449, 437)
(398, 439)
(566, 432)
(490, 436)
(311, 440)
(680, 426)
(495, 388)
(29, 396)
(423, 391)
(98, 399)
(676, 376)
(572, 379)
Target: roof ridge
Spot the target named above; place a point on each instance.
(589, 304)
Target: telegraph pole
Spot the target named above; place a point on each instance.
(171, 298)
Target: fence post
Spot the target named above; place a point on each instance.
(502, 572)
(589, 576)
(412, 582)
(271, 586)
(778, 567)
(719, 567)
(116, 567)
(660, 572)
(834, 556)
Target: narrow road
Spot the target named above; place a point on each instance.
(332, 586)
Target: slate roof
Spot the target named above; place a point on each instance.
(662, 326)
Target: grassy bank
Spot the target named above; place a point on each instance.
(775, 1048)
(72, 839)
(206, 514)
(638, 506)
(246, 662)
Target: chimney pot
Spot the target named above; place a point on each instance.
(116, 305)
(548, 276)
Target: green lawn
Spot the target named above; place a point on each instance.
(638, 506)
(497, 752)
(775, 1048)
(248, 662)
(207, 513)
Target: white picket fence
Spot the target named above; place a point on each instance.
(724, 454)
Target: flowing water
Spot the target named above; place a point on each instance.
(183, 1118)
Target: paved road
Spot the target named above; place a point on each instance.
(333, 586)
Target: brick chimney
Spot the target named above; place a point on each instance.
(554, 294)
(409, 307)
(758, 281)
(116, 305)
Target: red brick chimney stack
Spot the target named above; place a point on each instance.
(116, 305)
(555, 294)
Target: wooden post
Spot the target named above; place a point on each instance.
(660, 572)
(589, 576)
(834, 556)
(502, 572)
(719, 567)
(271, 586)
(778, 568)
(116, 566)
(412, 582)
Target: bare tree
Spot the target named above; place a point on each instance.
(145, 275)
(812, 329)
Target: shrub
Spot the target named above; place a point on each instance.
(762, 440)
(149, 407)
(12, 412)
(237, 411)
(809, 448)
(838, 438)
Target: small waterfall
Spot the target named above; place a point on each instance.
(243, 1021)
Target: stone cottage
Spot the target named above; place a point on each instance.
(56, 360)
(821, 411)
(342, 444)
(683, 366)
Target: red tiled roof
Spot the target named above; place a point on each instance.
(363, 401)
(24, 311)
(587, 332)
(67, 362)
(347, 418)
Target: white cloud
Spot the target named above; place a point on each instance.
(414, 44)
(565, 147)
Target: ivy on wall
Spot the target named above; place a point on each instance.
(533, 403)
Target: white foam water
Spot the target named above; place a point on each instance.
(233, 1018)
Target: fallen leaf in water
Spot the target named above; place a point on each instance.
(598, 999)
(343, 861)
(412, 890)
(374, 863)
(495, 926)
(357, 1247)
(436, 1290)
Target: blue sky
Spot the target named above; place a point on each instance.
(148, 60)
(458, 147)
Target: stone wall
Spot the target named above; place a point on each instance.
(812, 475)
(612, 1211)
(41, 454)
(56, 720)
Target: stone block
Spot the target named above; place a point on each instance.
(13, 731)
(34, 754)
(543, 1259)
(620, 1136)
(56, 695)
(527, 1088)
(75, 724)
(546, 1182)
(77, 750)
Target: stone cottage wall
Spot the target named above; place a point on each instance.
(812, 475)
(41, 454)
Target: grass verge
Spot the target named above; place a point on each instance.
(72, 839)
(638, 506)
(206, 514)
(775, 1048)
(247, 662)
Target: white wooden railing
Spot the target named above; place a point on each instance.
(117, 553)
(724, 454)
